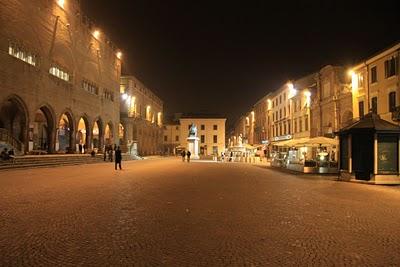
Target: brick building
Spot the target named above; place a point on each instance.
(59, 78)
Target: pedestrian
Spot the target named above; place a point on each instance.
(11, 155)
(222, 156)
(183, 154)
(230, 156)
(118, 158)
(188, 156)
(105, 152)
(110, 154)
(80, 148)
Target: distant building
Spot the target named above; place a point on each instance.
(141, 118)
(171, 136)
(59, 77)
(210, 131)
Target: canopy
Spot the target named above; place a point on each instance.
(319, 141)
(291, 142)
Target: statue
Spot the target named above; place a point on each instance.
(240, 140)
(193, 130)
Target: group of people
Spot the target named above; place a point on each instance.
(111, 152)
(186, 154)
(7, 154)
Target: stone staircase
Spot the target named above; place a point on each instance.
(37, 161)
(8, 141)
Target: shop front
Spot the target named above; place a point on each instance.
(308, 155)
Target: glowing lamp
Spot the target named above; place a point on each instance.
(119, 55)
(124, 96)
(60, 3)
(96, 34)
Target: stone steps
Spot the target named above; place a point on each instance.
(53, 161)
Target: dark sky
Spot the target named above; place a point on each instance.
(222, 56)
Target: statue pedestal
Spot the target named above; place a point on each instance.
(193, 146)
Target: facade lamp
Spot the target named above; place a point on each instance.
(124, 96)
(96, 34)
(292, 90)
(60, 3)
(119, 54)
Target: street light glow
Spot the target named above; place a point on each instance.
(96, 34)
(292, 90)
(119, 54)
(60, 3)
(124, 96)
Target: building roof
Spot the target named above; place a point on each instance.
(371, 122)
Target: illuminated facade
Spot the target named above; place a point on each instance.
(315, 105)
(210, 131)
(172, 137)
(375, 85)
(141, 117)
(59, 78)
(331, 109)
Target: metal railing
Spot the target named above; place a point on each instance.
(6, 137)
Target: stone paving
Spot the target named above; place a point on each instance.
(167, 213)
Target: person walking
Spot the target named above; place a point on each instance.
(110, 154)
(118, 158)
(183, 154)
(188, 156)
(105, 152)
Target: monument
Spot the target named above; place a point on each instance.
(193, 142)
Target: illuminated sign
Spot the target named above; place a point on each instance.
(282, 137)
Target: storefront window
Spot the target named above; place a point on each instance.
(387, 154)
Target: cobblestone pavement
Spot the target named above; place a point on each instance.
(168, 213)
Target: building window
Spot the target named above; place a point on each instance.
(215, 139)
(280, 128)
(165, 138)
(284, 96)
(177, 138)
(284, 112)
(374, 105)
(108, 95)
(300, 125)
(280, 114)
(59, 73)
(202, 139)
(361, 108)
(306, 122)
(90, 87)
(295, 125)
(374, 77)
(202, 127)
(392, 101)
(22, 54)
(280, 99)
(390, 67)
(215, 127)
(176, 127)
(276, 115)
(284, 128)
(326, 89)
(273, 116)
(288, 127)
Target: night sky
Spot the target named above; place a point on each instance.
(204, 56)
